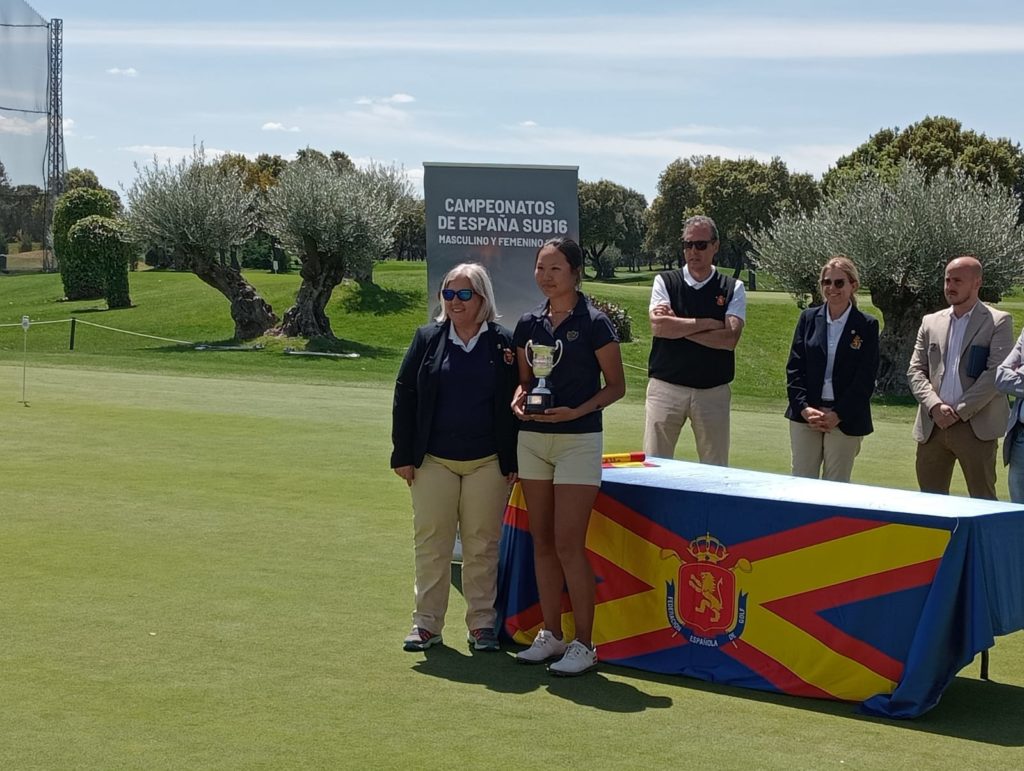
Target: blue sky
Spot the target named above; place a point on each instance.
(618, 93)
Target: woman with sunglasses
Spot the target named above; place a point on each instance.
(454, 442)
(830, 377)
(560, 449)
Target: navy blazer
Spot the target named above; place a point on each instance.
(853, 372)
(412, 413)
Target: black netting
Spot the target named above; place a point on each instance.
(24, 66)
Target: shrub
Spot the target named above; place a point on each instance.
(82, 280)
(617, 315)
(261, 250)
(101, 241)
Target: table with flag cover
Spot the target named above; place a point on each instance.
(798, 586)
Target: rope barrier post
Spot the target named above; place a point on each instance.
(25, 324)
(71, 342)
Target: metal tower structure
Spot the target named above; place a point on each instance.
(55, 160)
(55, 116)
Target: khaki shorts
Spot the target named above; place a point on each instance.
(568, 459)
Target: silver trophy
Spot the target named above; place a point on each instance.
(542, 359)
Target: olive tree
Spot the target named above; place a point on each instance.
(900, 233)
(338, 221)
(198, 211)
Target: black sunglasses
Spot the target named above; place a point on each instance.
(839, 283)
(700, 246)
(463, 294)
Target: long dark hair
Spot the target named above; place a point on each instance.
(570, 250)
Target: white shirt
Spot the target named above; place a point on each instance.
(467, 347)
(835, 331)
(737, 306)
(951, 389)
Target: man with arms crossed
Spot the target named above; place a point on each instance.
(952, 376)
(697, 316)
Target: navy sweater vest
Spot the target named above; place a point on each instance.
(682, 361)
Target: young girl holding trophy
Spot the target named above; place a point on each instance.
(564, 348)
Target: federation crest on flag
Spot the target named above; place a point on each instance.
(705, 602)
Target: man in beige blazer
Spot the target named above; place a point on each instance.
(952, 375)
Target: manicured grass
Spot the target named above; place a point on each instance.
(207, 572)
(206, 562)
(376, 321)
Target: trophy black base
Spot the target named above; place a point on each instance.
(536, 403)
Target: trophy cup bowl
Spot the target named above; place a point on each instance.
(542, 360)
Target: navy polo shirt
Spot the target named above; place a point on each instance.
(463, 425)
(577, 376)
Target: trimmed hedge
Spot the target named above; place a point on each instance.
(101, 241)
(82, 279)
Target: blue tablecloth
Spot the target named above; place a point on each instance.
(799, 586)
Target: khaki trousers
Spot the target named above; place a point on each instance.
(822, 455)
(470, 495)
(977, 460)
(669, 406)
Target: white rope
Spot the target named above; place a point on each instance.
(38, 323)
(101, 326)
(136, 334)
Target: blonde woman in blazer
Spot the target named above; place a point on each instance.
(830, 376)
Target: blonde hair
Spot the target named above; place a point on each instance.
(480, 281)
(845, 264)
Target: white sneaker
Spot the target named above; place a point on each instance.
(545, 646)
(578, 659)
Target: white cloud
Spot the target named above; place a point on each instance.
(127, 72)
(414, 175)
(814, 158)
(22, 126)
(699, 130)
(380, 109)
(640, 38)
(280, 127)
(528, 123)
(170, 153)
(393, 99)
(379, 112)
(573, 143)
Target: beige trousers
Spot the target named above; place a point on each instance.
(669, 406)
(470, 495)
(977, 458)
(822, 455)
